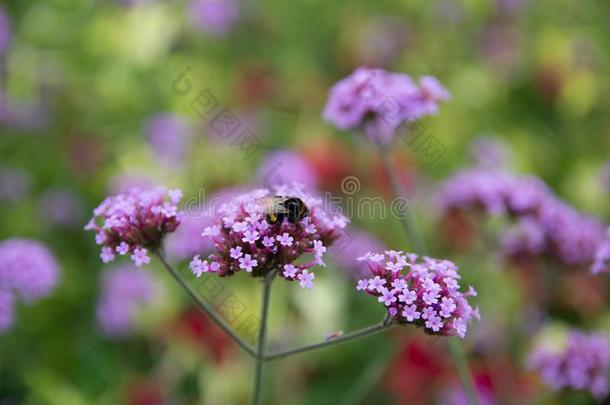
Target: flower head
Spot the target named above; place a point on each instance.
(28, 268)
(215, 17)
(545, 224)
(583, 363)
(380, 101)
(245, 241)
(133, 222)
(427, 295)
(124, 292)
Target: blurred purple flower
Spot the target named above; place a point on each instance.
(5, 32)
(7, 310)
(215, 17)
(28, 268)
(602, 256)
(571, 236)
(583, 364)
(351, 245)
(168, 136)
(525, 236)
(14, 184)
(124, 292)
(61, 207)
(285, 167)
(489, 152)
(380, 102)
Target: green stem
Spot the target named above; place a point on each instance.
(455, 348)
(262, 336)
(369, 330)
(205, 307)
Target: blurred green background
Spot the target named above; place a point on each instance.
(81, 79)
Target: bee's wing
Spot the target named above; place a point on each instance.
(271, 205)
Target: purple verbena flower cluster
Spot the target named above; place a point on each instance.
(245, 241)
(545, 224)
(583, 364)
(380, 101)
(135, 221)
(427, 294)
(27, 269)
(125, 291)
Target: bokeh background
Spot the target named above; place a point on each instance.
(92, 102)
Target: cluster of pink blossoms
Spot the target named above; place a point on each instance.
(544, 224)
(428, 295)
(584, 363)
(245, 241)
(135, 221)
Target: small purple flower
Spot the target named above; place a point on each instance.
(107, 254)
(410, 313)
(377, 284)
(362, 285)
(168, 137)
(125, 291)
(582, 363)
(318, 248)
(138, 219)
(306, 279)
(140, 257)
(247, 263)
(387, 297)
(236, 252)
(394, 266)
(268, 241)
(407, 295)
(447, 307)
(285, 239)
(214, 17)
(198, 267)
(290, 271)
(435, 323)
(250, 237)
(123, 248)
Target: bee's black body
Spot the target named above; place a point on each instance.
(278, 208)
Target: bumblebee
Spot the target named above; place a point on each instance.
(278, 208)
